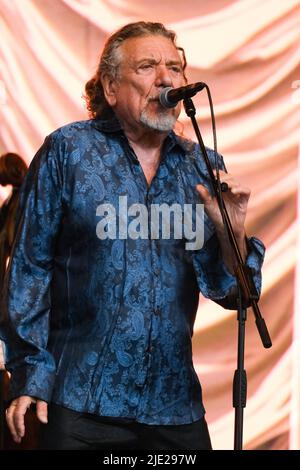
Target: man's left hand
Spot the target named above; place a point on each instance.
(236, 201)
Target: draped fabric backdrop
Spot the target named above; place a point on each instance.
(248, 52)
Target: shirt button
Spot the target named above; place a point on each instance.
(157, 272)
(134, 401)
(157, 311)
(139, 385)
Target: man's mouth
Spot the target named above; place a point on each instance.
(154, 98)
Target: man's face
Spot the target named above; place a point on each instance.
(148, 65)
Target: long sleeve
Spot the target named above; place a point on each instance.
(215, 281)
(26, 301)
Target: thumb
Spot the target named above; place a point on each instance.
(42, 411)
(204, 193)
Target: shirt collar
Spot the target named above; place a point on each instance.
(111, 125)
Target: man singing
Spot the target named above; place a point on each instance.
(98, 328)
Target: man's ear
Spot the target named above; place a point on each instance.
(109, 87)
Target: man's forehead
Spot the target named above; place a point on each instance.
(150, 47)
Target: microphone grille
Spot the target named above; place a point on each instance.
(164, 100)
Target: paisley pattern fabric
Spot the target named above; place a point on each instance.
(105, 326)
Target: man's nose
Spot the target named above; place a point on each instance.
(163, 78)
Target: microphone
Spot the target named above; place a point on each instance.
(169, 96)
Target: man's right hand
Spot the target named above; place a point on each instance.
(16, 412)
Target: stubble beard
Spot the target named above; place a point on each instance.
(162, 121)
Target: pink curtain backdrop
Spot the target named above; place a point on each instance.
(248, 52)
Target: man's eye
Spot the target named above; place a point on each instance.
(146, 66)
(175, 68)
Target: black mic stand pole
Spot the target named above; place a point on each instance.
(247, 294)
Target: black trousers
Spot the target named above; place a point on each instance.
(68, 429)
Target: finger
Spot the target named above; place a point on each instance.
(226, 177)
(10, 422)
(231, 182)
(42, 411)
(222, 173)
(18, 416)
(15, 417)
(204, 193)
(234, 185)
(237, 189)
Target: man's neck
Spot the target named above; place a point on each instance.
(146, 140)
(147, 145)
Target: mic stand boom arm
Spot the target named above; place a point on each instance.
(247, 294)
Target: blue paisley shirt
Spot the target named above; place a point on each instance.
(105, 326)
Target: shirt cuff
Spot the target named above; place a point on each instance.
(215, 281)
(255, 258)
(34, 381)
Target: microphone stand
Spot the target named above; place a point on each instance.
(246, 296)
